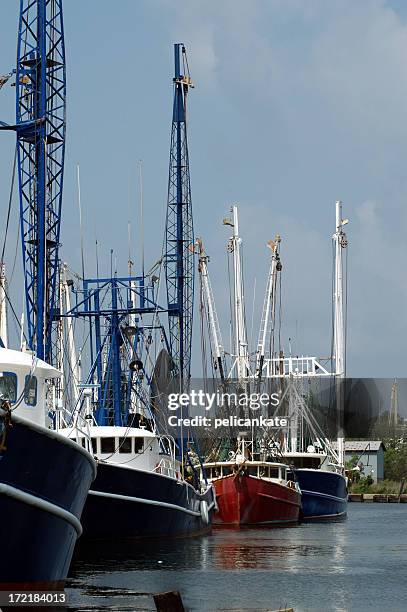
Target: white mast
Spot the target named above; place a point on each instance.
(3, 306)
(73, 361)
(214, 327)
(269, 304)
(240, 348)
(340, 243)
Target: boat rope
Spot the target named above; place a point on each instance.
(6, 423)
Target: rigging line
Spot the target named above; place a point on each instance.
(280, 310)
(210, 346)
(14, 313)
(253, 307)
(346, 308)
(10, 201)
(231, 319)
(10, 278)
(243, 295)
(331, 391)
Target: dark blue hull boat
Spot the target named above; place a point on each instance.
(324, 494)
(131, 504)
(44, 481)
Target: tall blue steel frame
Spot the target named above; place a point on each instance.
(40, 127)
(107, 304)
(179, 258)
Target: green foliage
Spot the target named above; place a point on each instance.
(385, 487)
(352, 462)
(395, 460)
(363, 485)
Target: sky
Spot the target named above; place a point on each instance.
(296, 104)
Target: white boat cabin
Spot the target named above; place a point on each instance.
(265, 470)
(23, 384)
(133, 447)
(310, 460)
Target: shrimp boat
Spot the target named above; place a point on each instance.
(44, 476)
(146, 485)
(139, 491)
(250, 492)
(316, 465)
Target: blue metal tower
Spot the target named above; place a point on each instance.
(119, 342)
(40, 127)
(179, 259)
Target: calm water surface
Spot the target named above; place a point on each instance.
(359, 564)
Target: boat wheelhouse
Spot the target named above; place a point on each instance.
(253, 492)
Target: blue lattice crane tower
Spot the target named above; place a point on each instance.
(40, 128)
(179, 257)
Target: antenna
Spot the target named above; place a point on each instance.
(141, 214)
(130, 261)
(80, 217)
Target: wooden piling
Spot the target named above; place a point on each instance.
(169, 602)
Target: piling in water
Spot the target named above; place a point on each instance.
(169, 602)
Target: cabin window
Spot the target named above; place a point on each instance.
(138, 445)
(107, 445)
(124, 445)
(273, 472)
(226, 470)
(8, 386)
(30, 390)
(95, 445)
(252, 471)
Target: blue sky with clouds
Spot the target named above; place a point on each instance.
(297, 103)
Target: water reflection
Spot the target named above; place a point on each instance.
(312, 567)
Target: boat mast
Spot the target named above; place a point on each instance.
(179, 234)
(241, 357)
(340, 243)
(214, 327)
(269, 304)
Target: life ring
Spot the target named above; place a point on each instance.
(204, 512)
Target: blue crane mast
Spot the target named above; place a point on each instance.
(117, 308)
(119, 343)
(179, 234)
(40, 127)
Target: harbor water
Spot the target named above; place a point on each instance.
(359, 564)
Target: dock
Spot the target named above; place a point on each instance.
(378, 498)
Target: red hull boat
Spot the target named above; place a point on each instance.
(247, 500)
(253, 493)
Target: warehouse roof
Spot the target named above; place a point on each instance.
(361, 445)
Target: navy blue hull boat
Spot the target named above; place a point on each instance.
(324, 494)
(139, 491)
(44, 481)
(143, 505)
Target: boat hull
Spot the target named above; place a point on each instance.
(44, 481)
(324, 494)
(246, 500)
(129, 504)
